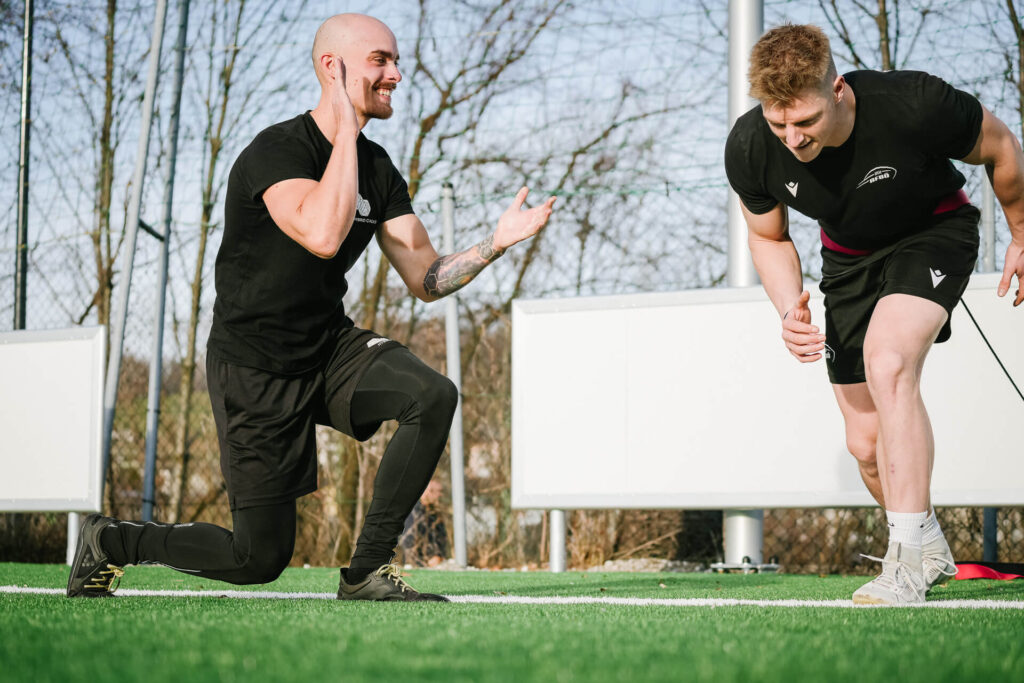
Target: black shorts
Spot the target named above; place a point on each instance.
(266, 422)
(935, 264)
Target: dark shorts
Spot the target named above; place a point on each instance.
(934, 264)
(266, 422)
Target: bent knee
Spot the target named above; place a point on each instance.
(886, 369)
(264, 567)
(439, 397)
(864, 451)
(862, 442)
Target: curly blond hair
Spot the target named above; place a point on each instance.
(789, 60)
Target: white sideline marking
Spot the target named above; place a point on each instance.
(544, 600)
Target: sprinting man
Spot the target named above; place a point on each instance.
(303, 201)
(867, 154)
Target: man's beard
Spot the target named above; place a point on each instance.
(379, 111)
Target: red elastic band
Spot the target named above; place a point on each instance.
(829, 243)
(979, 571)
(948, 203)
(952, 202)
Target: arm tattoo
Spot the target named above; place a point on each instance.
(487, 251)
(450, 273)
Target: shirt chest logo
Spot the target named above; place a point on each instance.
(792, 187)
(363, 210)
(877, 174)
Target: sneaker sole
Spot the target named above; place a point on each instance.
(868, 600)
(871, 600)
(351, 598)
(79, 546)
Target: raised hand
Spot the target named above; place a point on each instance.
(803, 339)
(517, 224)
(344, 113)
(1014, 265)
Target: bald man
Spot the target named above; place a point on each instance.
(303, 201)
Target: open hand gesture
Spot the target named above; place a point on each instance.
(341, 105)
(803, 339)
(516, 224)
(1014, 265)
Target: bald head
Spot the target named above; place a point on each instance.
(363, 50)
(344, 34)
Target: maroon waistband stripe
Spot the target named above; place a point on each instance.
(946, 204)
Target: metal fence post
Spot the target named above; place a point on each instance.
(132, 229)
(990, 516)
(21, 255)
(157, 358)
(742, 529)
(451, 330)
(556, 559)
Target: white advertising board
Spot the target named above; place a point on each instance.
(690, 400)
(51, 412)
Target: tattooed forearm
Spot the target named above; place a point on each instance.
(487, 251)
(451, 273)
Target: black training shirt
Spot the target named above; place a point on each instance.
(277, 304)
(885, 180)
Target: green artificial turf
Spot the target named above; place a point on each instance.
(51, 638)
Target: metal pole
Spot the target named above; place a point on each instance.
(132, 227)
(451, 334)
(990, 547)
(742, 529)
(746, 23)
(556, 560)
(21, 253)
(157, 359)
(744, 536)
(988, 224)
(990, 542)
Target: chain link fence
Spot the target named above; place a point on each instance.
(619, 109)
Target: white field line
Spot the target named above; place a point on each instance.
(544, 600)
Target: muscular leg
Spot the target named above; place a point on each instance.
(399, 386)
(861, 420)
(901, 331)
(257, 551)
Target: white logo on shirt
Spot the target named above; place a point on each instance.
(792, 188)
(362, 205)
(878, 173)
(377, 341)
(937, 276)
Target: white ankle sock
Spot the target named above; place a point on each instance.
(906, 527)
(931, 532)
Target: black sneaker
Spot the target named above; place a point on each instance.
(383, 584)
(92, 574)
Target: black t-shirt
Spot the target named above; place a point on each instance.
(278, 304)
(885, 180)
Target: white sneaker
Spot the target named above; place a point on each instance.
(938, 563)
(901, 581)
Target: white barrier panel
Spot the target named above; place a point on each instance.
(51, 412)
(690, 400)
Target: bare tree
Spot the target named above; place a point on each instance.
(453, 92)
(116, 81)
(896, 33)
(1015, 61)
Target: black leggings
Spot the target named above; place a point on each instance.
(396, 386)
(399, 386)
(257, 551)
